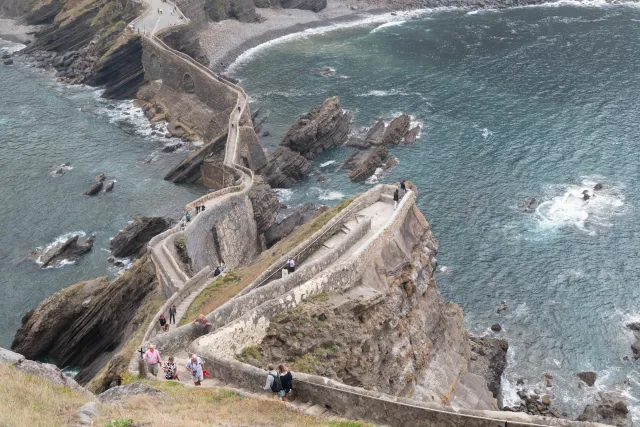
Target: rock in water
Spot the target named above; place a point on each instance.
(589, 378)
(365, 167)
(496, 327)
(284, 167)
(8, 61)
(324, 127)
(101, 177)
(132, 239)
(85, 324)
(529, 205)
(68, 250)
(95, 189)
(109, 186)
(609, 408)
(394, 133)
(412, 135)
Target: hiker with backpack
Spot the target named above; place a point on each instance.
(273, 382)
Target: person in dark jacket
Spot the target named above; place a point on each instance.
(163, 323)
(403, 186)
(172, 314)
(286, 379)
(396, 197)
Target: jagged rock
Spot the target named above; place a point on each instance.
(502, 307)
(324, 127)
(85, 324)
(242, 10)
(120, 72)
(372, 137)
(185, 39)
(634, 326)
(529, 205)
(133, 238)
(496, 327)
(87, 412)
(47, 371)
(170, 148)
(265, 204)
(490, 362)
(5, 55)
(68, 250)
(364, 165)
(284, 167)
(610, 408)
(124, 392)
(8, 61)
(598, 187)
(293, 220)
(109, 186)
(95, 189)
(412, 135)
(589, 378)
(396, 131)
(175, 128)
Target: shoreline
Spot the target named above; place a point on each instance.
(12, 31)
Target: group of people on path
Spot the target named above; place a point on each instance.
(164, 325)
(279, 381)
(194, 365)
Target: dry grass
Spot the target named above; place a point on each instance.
(221, 290)
(29, 401)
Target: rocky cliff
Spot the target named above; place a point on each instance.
(391, 331)
(242, 10)
(85, 324)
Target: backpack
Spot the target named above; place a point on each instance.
(276, 385)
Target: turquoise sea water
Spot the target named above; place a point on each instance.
(44, 124)
(532, 102)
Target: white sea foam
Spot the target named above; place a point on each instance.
(388, 24)
(375, 178)
(11, 47)
(486, 133)
(570, 209)
(58, 241)
(325, 164)
(284, 194)
(328, 194)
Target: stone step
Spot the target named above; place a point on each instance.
(302, 405)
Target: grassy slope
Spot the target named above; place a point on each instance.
(221, 290)
(29, 401)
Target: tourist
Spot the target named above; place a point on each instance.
(291, 265)
(201, 321)
(273, 381)
(403, 186)
(239, 109)
(171, 370)
(202, 208)
(197, 209)
(163, 323)
(172, 314)
(152, 356)
(285, 379)
(216, 272)
(396, 197)
(188, 217)
(196, 367)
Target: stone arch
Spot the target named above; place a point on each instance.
(155, 66)
(188, 84)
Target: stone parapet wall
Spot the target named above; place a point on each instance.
(358, 403)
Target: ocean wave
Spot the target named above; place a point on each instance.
(325, 164)
(387, 24)
(375, 178)
(284, 194)
(570, 209)
(11, 47)
(380, 93)
(327, 194)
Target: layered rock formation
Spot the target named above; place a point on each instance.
(265, 204)
(45, 370)
(363, 164)
(133, 238)
(85, 324)
(324, 127)
(284, 167)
